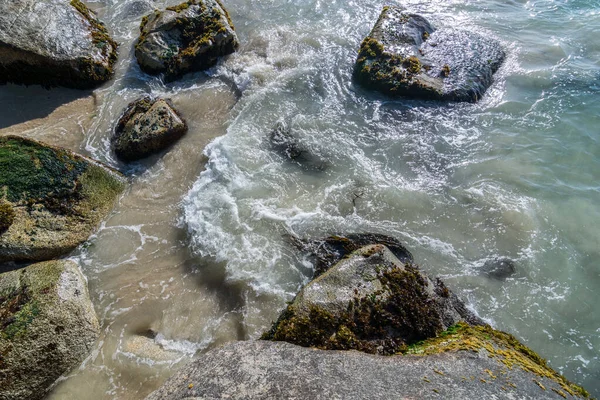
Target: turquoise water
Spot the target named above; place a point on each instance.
(199, 255)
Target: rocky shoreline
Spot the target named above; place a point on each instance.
(370, 324)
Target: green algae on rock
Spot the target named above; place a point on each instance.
(147, 126)
(185, 38)
(54, 43)
(47, 327)
(57, 197)
(405, 56)
(372, 302)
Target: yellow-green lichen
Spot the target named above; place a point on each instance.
(7, 216)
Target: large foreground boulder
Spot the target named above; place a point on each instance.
(185, 38)
(370, 301)
(405, 56)
(147, 126)
(475, 363)
(47, 327)
(54, 42)
(50, 199)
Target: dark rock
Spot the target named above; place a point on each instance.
(147, 126)
(286, 144)
(370, 301)
(277, 370)
(47, 327)
(52, 43)
(135, 9)
(405, 56)
(499, 268)
(330, 250)
(57, 198)
(186, 38)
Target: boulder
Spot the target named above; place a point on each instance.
(474, 363)
(499, 268)
(328, 251)
(147, 126)
(404, 55)
(54, 42)
(47, 327)
(370, 301)
(185, 38)
(50, 200)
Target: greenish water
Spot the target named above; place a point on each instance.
(200, 257)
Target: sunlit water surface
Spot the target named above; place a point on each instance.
(195, 251)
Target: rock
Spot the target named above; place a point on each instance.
(370, 301)
(469, 366)
(135, 9)
(405, 56)
(147, 126)
(57, 198)
(283, 141)
(185, 38)
(328, 251)
(499, 268)
(54, 43)
(47, 327)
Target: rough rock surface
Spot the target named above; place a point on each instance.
(405, 56)
(147, 126)
(328, 251)
(47, 327)
(56, 199)
(54, 42)
(188, 37)
(277, 370)
(370, 301)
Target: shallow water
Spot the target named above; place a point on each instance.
(200, 258)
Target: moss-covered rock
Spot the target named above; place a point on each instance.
(147, 126)
(405, 56)
(369, 301)
(7, 216)
(57, 197)
(47, 327)
(52, 43)
(185, 38)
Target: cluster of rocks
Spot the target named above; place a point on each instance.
(52, 199)
(371, 324)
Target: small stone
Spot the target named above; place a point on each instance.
(499, 268)
(146, 127)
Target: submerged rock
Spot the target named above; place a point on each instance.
(499, 268)
(54, 42)
(53, 199)
(370, 301)
(286, 144)
(47, 327)
(471, 363)
(185, 38)
(328, 251)
(405, 56)
(147, 126)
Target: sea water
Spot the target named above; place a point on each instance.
(195, 253)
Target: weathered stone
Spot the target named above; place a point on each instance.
(286, 144)
(488, 369)
(370, 301)
(405, 56)
(147, 126)
(54, 42)
(47, 327)
(499, 268)
(57, 198)
(186, 38)
(328, 251)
